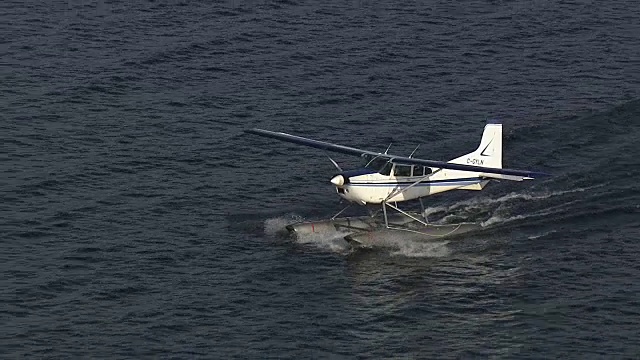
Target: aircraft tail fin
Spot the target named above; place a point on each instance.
(489, 153)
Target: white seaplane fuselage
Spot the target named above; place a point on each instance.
(371, 187)
(397, 182)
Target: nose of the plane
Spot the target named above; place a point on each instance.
(337, 180)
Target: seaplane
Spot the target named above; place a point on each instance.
(386, 180)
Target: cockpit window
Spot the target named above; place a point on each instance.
(403, 170)
(421, 170)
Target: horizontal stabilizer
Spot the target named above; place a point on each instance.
(505, 177)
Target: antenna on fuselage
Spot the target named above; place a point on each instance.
(388, 147)
(414, 151)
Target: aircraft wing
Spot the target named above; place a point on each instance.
(494, 173)
(313, 143)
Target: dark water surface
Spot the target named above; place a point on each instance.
(138, 221)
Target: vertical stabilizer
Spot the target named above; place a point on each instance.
(489, 153)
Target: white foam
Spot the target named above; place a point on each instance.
(462, 209)
(497, 219)
(411, 248)
(275, 226)
(520, 196)
(434, 209)
(533, 237)
(332, 241)
(401, 243)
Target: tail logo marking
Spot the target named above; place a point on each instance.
(485, 149)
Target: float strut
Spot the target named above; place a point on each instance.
(384, 211)
(424, 214)
(340, 212)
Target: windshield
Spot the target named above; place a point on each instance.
(374, 163)
(386, 169)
